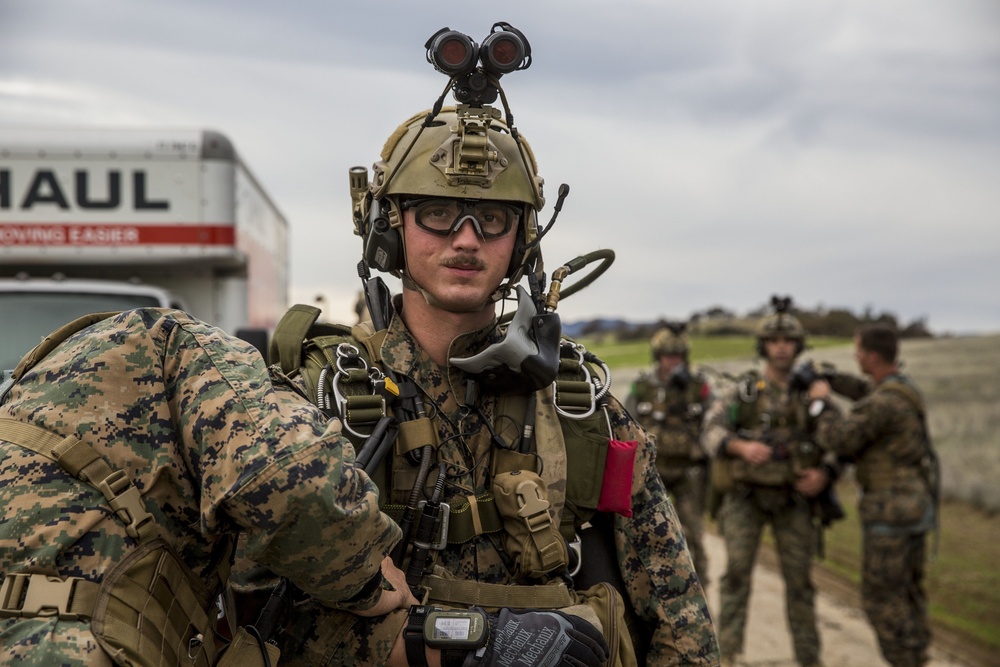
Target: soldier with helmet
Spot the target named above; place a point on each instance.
(772, 468)
(670, 402)
(535, 528)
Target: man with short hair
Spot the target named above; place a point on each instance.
(885, 436)
(774, 469)
(531, 493)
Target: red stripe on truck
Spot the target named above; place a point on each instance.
(115, 235)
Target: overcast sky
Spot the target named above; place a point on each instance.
(844, 152)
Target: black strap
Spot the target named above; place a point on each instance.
(413, 636)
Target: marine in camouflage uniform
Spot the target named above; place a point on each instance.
(214, 443)
(670, 403)
(885, 436)
(452, 211)
(773, 468)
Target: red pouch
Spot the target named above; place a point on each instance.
(616, 487)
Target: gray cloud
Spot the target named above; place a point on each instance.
(845, 152)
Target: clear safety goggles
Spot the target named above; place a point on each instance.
(444, 217)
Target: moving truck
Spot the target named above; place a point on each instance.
(118, 218)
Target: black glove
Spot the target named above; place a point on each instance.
(543, 639)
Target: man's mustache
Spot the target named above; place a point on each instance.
(464, 262)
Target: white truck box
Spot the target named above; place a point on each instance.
(173, 209)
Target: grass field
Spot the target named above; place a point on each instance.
(960, 379)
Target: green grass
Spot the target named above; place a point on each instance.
(635, 354)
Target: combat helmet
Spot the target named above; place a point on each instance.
(671, 339)
(467, 151)
(781, 323)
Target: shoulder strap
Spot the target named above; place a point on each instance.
(85, 463)
(903, 389)
(286, 342)
(51, 341)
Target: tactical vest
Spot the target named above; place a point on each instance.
(535, 510)
(780, 421)
(150, 609)
(878, 470)
(674, 416)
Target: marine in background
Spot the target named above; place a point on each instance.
(770, 470)
(670, 402)
(885, 436)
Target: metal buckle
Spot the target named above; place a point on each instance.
(349, 358)
(442, 538)
(33, 595)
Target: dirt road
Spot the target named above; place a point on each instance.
(847, 639)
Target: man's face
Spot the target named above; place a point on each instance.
(780, 352)
(668, 362)
(460, 270)
(863, 357)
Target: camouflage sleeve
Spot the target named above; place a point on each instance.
(656, 564)
(848, 435)
(273, 464)
(716, 428)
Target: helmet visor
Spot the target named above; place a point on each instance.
(444, 217)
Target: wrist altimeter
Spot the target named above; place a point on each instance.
(462, 629)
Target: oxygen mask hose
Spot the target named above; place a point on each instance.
(606, 256)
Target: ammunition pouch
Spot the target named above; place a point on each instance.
(530, 536)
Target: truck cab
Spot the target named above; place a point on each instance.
(32, 308)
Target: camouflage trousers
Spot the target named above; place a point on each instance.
(892, 592)
(742, 521)
(689, 487)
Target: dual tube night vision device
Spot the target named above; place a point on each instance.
(473, 68)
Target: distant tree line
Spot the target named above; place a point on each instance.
(719, 321)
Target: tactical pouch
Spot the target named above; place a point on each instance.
(150, 610)
(530, 537)
(607, 605)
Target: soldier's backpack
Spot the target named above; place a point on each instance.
(150, 610)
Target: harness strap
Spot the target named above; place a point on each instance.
(467, 592)
(468, 518)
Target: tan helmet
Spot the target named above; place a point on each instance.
(462, 152)
(669, 340)
(781, 323)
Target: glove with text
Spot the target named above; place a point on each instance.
(543, 639)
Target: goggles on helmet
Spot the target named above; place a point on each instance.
(444, 217)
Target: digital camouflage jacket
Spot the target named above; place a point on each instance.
(215, 446)
(885, 436)
(661, 583)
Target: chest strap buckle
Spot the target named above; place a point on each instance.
(34, 595)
